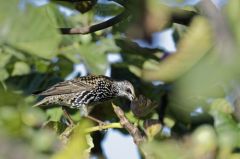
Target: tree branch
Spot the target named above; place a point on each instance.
(99, 128)
(132, 129)
(96, 27)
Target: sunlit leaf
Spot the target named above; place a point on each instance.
(54, 114)
(185, 58)
(232, 9)
(20, 68)
(76, 146)
(26, 30)
(44, 140)
(3, 74)
(109, 9)
(227, 129)
(204, 141)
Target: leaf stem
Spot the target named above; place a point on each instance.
(102, 127)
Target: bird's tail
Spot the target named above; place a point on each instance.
(42, 102)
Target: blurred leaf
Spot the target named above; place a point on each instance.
(204, 142)
(90, 144)
(33, 117)
(233, 18)
(107, 9)
(12, 52)
(54, 114)
(184, 59)
(4, 58)
(11, 121)
(221, 105)
(56, 17)
(34, 40)
(227, 129)
(134, 55)
(236, 105)
(76, 146)
(152, 16)
(135, 70)
(3, 74)
(20, 68)
(93, 55)
(65, 66)
(34, 56)
(208, 78)
(42, 65)
(7, 96)
(169, 149)
(81, 6)
(43, 140)
(69, 5)
(152, 128)
(169, 122)
(85, 6)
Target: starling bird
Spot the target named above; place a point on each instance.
(83, 91)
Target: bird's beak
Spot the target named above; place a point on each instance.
(132, 97)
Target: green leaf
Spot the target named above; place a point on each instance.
(20, 68)
(4, 58)
(76, 146)
(227, 129)
(3, 74)
(43, 140)
(232, 8)
(54, 114)
(42, 65)
(107, 9)
(65, 66)
(25, 29)
(94, 58)
(93, 55)
(204, 141)
(89, 143)
(169, 149)
(184, 59)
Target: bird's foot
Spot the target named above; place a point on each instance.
(68, 120)
(70, 123)
(100, 123)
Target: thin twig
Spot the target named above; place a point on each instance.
(132, 129)
(96, 27)
(64, 136)
(99, 128)
(68, 131)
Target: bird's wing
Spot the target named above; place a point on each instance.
(66, 87)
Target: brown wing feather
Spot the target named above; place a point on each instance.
(66, 87)
(76, 85)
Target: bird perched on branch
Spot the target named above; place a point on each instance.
(85, 91)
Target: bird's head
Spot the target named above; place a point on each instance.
(125, 89)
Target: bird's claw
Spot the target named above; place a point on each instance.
(102, 125)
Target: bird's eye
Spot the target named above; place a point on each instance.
(128, 90)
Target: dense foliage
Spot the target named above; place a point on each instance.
(197, 100)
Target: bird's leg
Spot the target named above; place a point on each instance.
(95, 119)
(84, 112)
(68, 117)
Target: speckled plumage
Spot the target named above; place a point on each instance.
(87, 90)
